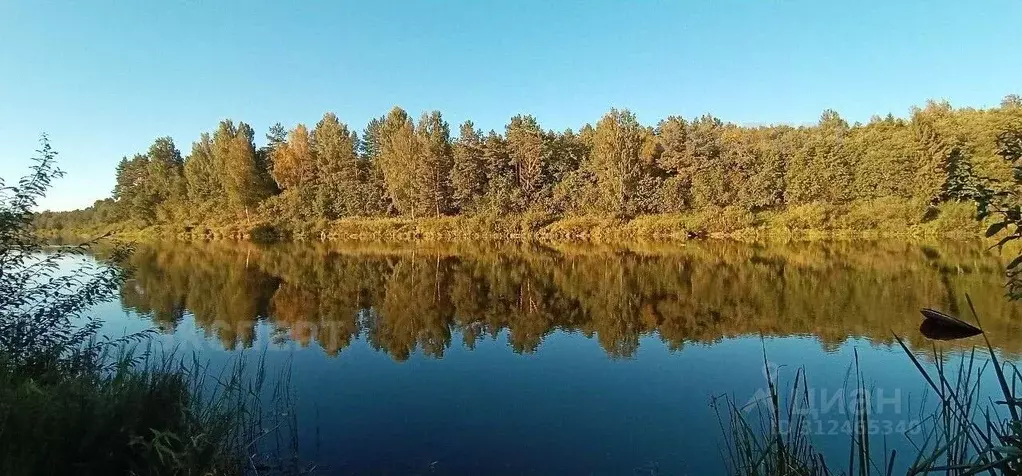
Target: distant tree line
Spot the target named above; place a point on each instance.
(398, 166)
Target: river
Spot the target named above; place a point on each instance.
(562, 359)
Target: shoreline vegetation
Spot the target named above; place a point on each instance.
(73, 401)
(874, 220)
(617, 179)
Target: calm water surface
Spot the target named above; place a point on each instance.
(443, 359)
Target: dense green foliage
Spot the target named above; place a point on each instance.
(73, 403)
(828, 175)
(1001, 201)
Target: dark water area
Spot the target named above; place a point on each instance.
(528, 359)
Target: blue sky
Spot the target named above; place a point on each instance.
(105, 78)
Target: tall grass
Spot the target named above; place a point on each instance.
(962, 435)
(152, 413)
(778, 440)
(73, 403)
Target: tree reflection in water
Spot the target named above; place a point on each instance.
(407, 298)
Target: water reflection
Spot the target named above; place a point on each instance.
(403, 299)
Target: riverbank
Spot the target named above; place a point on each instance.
(865, 220)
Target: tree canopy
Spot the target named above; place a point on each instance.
(618, 167)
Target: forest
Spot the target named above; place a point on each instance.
(687, 176)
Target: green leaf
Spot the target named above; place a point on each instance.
(1005, 240)
(1015, 262)
(1008, 450)
(996, 228)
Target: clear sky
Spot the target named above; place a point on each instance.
(105, 78)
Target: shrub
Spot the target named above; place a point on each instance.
(887, 214)
(582, 228)
(811, 216)
(720, 220)
(956, 218)
(657, 226)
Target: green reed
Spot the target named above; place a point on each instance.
(147, 413)
(963, 435)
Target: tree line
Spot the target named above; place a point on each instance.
(398, 166)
